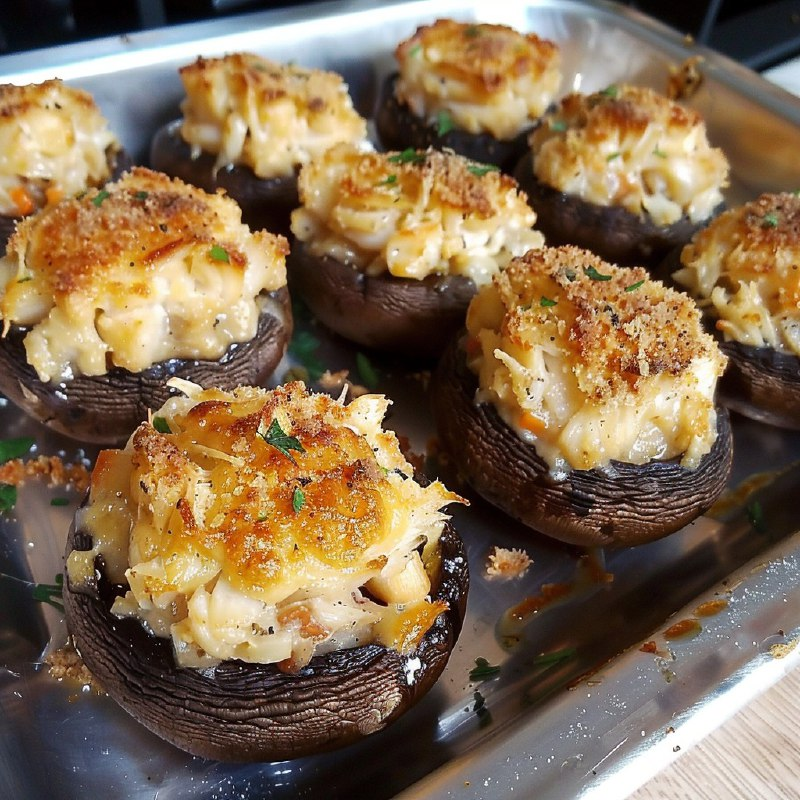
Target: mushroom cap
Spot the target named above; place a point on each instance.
(398, 128)
(613, 232)
(625, 504)
(254, 712)
(106, 408)
(265, 202)
(406, 316)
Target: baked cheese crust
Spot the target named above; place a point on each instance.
(744, 269)
(144, 270)
(54, 143)
(590, 362)
(630, 146)
(412, 214)
(268, 526)
(270, 117)
(481, 77)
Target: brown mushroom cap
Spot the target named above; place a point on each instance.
(623, 505)
(398, 128)
(410, 317)
(106, 408)
(265, 202)
(254, 712)
(613, 232)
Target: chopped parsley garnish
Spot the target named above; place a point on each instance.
(483, 670)
(218, 253)
(482, 169)
(595, 275)
(368, 374)
(659, 153)
(276, 437)
(98, 199)
(755, 514)
(472, 31)
(141, 195)
(546, 302)
(610, 91)
(570, 275)
(389, 180)
(769, 221)
(59, 501)
(25, 279)
(558, 125)
(408, 156)
(8, 497)
(50, 593)
(303, 347)
(14, 448)
(554, 657)
(612, 156)
(444, 122)
(298, 499)
(481, 711)
(161, 425)
(415, 50)
(634, 286)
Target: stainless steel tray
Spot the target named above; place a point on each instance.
(594, 723)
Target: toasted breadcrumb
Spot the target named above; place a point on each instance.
(53, 468)
(685, 79)
(67, 663)
(507, 563)
(336, 381)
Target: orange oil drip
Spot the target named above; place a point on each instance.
(684, 629)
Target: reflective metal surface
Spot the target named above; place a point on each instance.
(595, 722)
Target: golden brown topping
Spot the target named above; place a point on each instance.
(271, 117)
(146, 269)
(630, 146)
(413, 213)
(488, 77)
(16, 471)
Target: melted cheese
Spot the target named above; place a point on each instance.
(412, 214)
(270, 117)
(145, 270)
(590, 362)
(744, 269)
(54, 143)
(632, 147)
(268, 526)
(486, 78)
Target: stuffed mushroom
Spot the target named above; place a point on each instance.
(744, 271)
(624, 172)
(258, 576)
(473, 87)
(106, 295)
(390, 247)
(55, 143)
(248, 125)
(581, 401)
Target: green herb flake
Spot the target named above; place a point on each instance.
(769, 221)
(15, 448)
(298, 499)
(218, 253)
(161, 425)
(634, 286)
(50, 593)
(595, 275)
(558, 125)
(25, 279)
(481, 711)
(570, 275)
(142, 195)
(98, 199)
(367, 373)
(303, 347)
(415, 51)
(276, 437)
(389, 180)
(444, 122)
(546, 302)
(554, 657)
(483, 670)
(407, 156)
(8, 497)
(472, 31)
(659, 153)
(613, 156)
(482, 169)
(59, 501)
(611, 91)
(755, 514)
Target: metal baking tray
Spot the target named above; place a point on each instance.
(593, 694)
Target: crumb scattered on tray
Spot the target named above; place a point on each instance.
(66, 663)
(507, 563)
(685, 80)
(336, 381)
(53, 468)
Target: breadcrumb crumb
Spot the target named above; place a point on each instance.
(53, 468)
(66, 662)
(507, 563)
